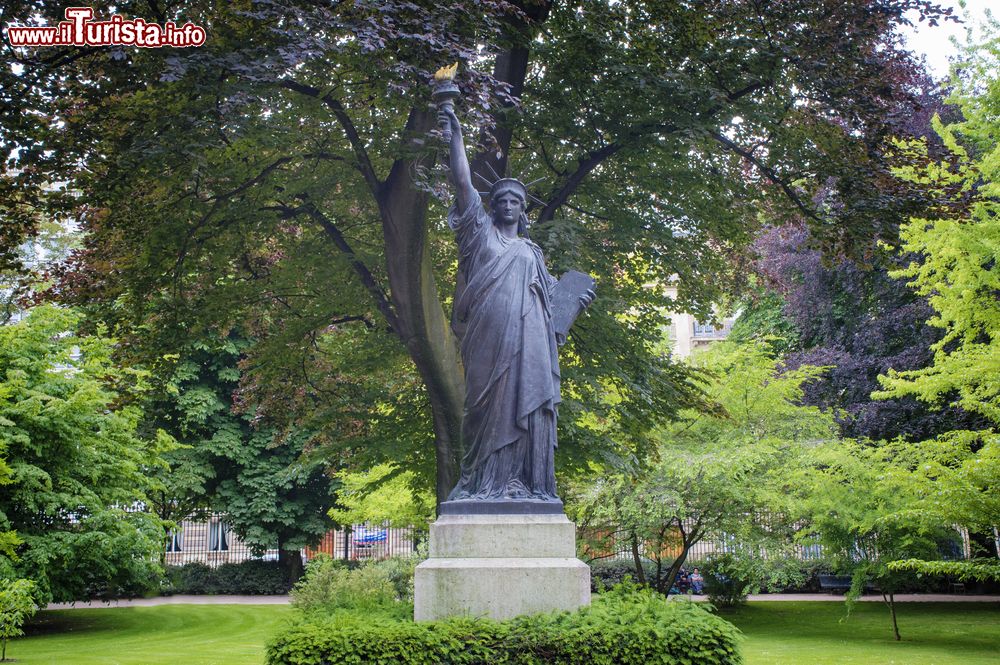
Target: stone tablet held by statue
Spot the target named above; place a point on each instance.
(566, 305)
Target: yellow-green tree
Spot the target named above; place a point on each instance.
(956, 246)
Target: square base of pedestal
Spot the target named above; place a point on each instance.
(458, 580)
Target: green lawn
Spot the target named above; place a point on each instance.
(168, 634)
(817, 633)
(776, 633)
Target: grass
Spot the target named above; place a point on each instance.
(787, 633)
(168, 634)
(777, 633)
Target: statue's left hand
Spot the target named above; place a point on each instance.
(587, 298)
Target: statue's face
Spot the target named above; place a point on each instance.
(507, 209)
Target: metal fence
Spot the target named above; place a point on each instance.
(367, 541)
(610, 543)
(208, 539)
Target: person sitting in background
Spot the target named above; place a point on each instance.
(697, 582)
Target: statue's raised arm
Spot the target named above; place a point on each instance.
(460, 173)
(445, 93)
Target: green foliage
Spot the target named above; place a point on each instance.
(730, 577)
(718, 473)
(608, 573)
(957, 244)
(17, 605)
(625, 626)
(973, 570)
(385, 493)
(270, 493)
(73, 462)
(329, 585)
(860, 501)
(399, 570)
(251, 578)
(763, 319)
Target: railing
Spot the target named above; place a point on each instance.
(366, 541)
(596, 543)
(208, 539)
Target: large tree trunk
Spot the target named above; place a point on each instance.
(425, 330)
(290, 562)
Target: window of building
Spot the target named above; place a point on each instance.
(704, 329)
(175, 538)
(218, 540)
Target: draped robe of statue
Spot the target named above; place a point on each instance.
(508, 345)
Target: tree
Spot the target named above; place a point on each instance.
(718, 474)
(16, 606)
(272, 496)
(956, 477)
(78, 473)
(213, 176)
(384, 494)
(857, 501)
(856, 319)
(954, 249)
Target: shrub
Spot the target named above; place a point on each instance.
(625, 625)
(729, 578)
(193, 578)
(328, 586)
(607, 573)
(399, 572)
(17, 605)
(251, 577)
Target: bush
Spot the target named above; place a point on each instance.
(625, 625)
(328, 586)
(17, 605)
(729, 578)
(399, 571)
(251, 578)
(726, 583)
(607, 573)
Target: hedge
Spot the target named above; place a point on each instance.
(250, 578)
(626, 625)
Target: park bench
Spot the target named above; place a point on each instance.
(841, 583)
(833, 583)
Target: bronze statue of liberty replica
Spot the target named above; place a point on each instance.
(501, 545)
(508, 317)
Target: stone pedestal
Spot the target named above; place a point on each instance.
(500, 566)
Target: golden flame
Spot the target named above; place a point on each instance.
(446, 73)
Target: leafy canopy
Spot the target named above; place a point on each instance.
(78, 472)
(719, 474)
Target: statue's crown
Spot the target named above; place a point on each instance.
(512, 185)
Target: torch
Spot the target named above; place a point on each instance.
(444, 94)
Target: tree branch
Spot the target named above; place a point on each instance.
(364, 274)
(267, 170)
(768, 172)
(592, 161)
(364, 164)
(585, 166)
